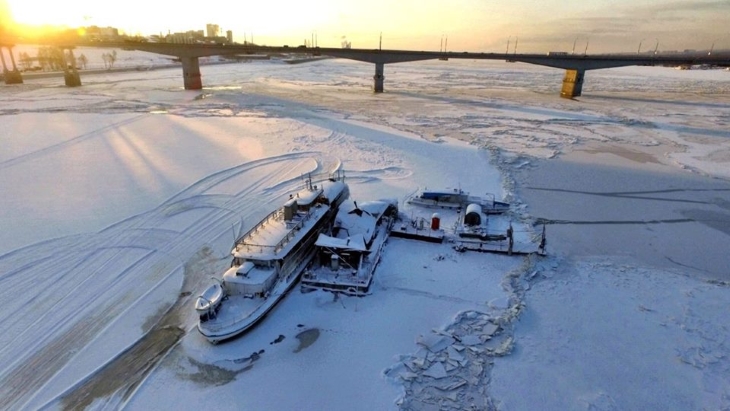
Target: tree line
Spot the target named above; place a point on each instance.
(54, 59)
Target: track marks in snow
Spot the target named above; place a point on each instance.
(78, 286)
(66, 144)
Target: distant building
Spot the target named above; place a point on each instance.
(96, 33)
(188, 37)
(212, 30)
(229, 36)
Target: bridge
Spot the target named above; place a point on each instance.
(575, 66)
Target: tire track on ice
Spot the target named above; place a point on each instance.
(68, 143)
(36, 369)
(83, 254)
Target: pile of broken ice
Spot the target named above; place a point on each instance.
(450, 368)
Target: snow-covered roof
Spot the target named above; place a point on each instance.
(354, 243)
(306, 196)
(331, 191)
(248, 273)
(376, 208)
(474, 208)
(352, 222)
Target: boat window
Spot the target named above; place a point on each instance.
(262, 264)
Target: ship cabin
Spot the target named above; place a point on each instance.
(353, 234)
(283, 241)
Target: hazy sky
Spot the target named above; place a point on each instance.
(471, 25)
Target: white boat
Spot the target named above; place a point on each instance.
(209, 301)
(345, 261)
(457, 198)
(270, 258)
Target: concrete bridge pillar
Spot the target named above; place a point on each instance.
(11, 76)
(572, 83)
(191, 73)
(378, 78)
(70, 74)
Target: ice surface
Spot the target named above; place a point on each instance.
(121, 198)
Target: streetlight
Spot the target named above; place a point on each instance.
(574, 41)
(657, 46)
(586, 49)
(639, 50)
(508, 39)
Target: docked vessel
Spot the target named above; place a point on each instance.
(268, 260)
(457, 198)
(345, 261)
(474, 225)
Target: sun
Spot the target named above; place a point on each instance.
(47, 13)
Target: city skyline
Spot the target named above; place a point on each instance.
(470, 25)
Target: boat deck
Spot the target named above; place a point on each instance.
(403, 229)
(274, 235)
(347, 280)
(238, 313)
(498, 247)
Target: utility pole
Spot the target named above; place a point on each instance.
(380, 45)
(574, 41)
(510, 237)
(712, 47)
(508, 39)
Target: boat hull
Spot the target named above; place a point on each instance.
(487, 206)
(256, 315)
(240, 311)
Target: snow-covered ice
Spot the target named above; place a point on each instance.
(121, 198)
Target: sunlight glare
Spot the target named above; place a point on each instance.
(47, 13)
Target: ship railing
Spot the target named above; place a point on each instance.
(337, 175)
(292, 232)
(293, 229)
(271, 216)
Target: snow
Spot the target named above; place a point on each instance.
(121, 198)
(353, 243)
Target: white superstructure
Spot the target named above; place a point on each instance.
(269, 259)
